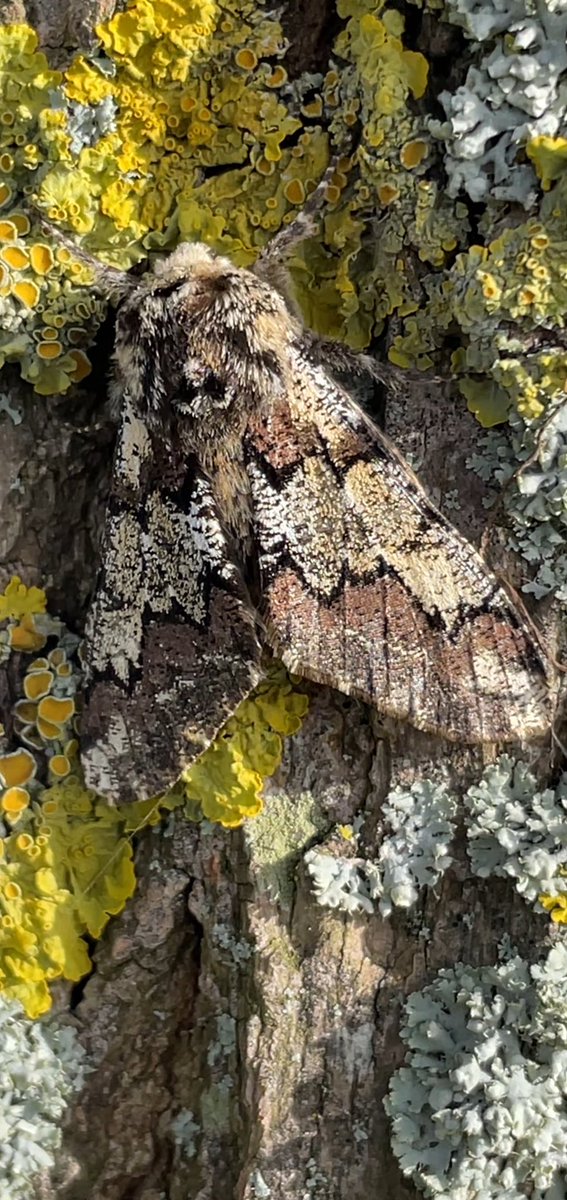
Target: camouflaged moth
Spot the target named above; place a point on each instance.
(255, 506)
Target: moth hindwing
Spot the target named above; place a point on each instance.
(255, 506)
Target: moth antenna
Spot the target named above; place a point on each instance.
(111, 281)
(303, 226)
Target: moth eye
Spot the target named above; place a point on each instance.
(214, 388)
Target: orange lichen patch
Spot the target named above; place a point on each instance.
(71, 748)
(490, 286)
(48, 730)
(277, 77)
(14, 256)
(41, 257)
(15, 800)
(8, 231)
(314, 108)
(5, 193)
(49, 350)
(387, 193)
(12, 891)
(17, 768)
(22, 223)
(294, 191)
(55, 710)
(75, 335)
(30, 737)
(333, 193)
(38, 684)
(57, 657)
(25, 711)
(63, 256)
(82, 365)
(64, 670)
(25, 636)
(24, 842)
(246, 59)
(39, 664)
(413, 153)
(263, 167)
(27, 292)
(59, 765)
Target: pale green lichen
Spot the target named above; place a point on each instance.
(415, 854)
(516, 91)
(349, 884)
(516, 831)
(351, 280)
(480, 1108)
(41, 1065)
(495, 296)
(502, 298)
(184, 1131)
(529, 461)
(277, 838)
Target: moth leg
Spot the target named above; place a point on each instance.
(341, 360)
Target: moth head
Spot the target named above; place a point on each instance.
(193, 264)
(187, 258)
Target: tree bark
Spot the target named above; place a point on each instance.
(224, 991)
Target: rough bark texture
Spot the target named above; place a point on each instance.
(224, 989)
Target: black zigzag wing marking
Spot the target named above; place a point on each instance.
(171, 645)
(367, 587)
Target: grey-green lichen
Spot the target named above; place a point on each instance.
(41, 1065)
(515, 91)
(479, 1111)
(184, 1131)
(529, 460)
(515, 830)
(415, 854)
(345, 883)
(277, 837)
(225, 1042)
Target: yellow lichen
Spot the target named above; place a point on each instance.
(17, 600)
(549, 156)
(556, 906)
(16, 768)
(14, 800)
(187, 88)
(226, 782)
(67, 865)
(37, 684)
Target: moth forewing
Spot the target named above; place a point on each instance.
(240, 460)
(368, 588)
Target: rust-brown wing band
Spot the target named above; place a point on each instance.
(366, 587)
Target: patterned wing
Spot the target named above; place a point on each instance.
(366, 586)
(171, 646)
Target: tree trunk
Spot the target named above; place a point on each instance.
(242, 1037)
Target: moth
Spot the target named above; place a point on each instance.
(255, 507)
